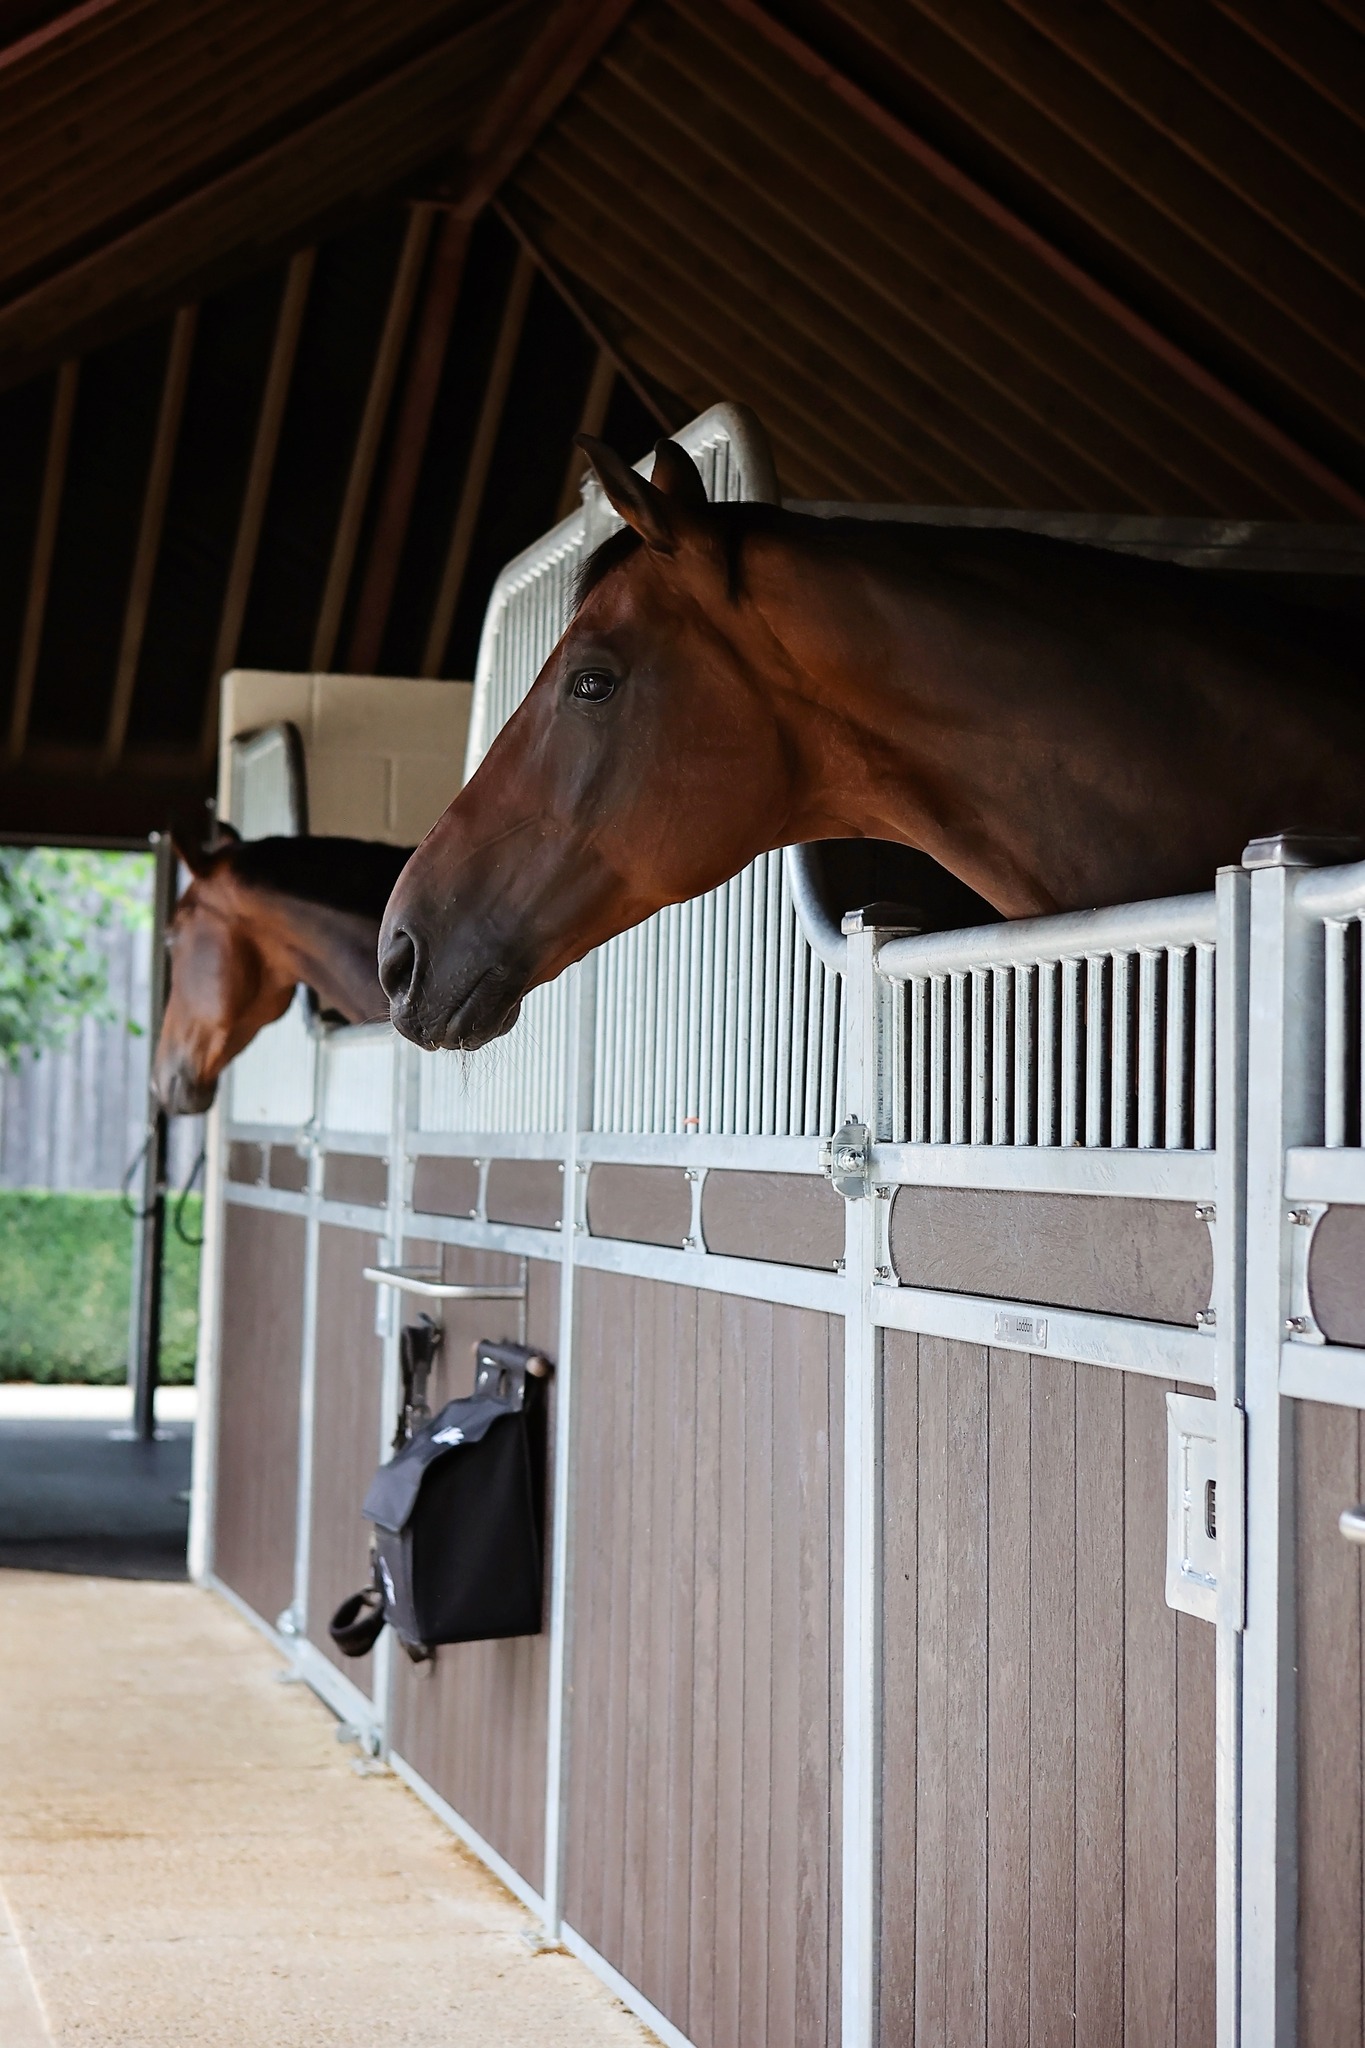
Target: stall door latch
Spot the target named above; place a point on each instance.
(847, 1159)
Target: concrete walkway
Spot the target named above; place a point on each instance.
(188, 1855)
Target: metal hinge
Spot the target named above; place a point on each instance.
(847, 1159)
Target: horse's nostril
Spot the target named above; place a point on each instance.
(398, 966)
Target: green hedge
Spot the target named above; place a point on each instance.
(65, 1274)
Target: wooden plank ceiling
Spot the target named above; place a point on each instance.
(301, 305)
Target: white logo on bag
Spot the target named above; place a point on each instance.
(387, 1576)
(453, 1435)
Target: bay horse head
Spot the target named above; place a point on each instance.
(258, 918)
(224, 985)
(644, 766)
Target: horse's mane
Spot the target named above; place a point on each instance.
(737, 522)
(339, 874)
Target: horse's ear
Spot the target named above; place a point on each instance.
(658, 515)
(677, 476)
(192, 857)
(224, 834)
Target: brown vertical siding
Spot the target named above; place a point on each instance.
(473, 1725)
(704, 1791)
(1331, 1729)
(347, 1424)
(259, 1358)
(1048, 1769)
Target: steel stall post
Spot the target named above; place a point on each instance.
(1284, 1022)
(1231, 995)
(862, 1514)
(578, 1118)
(149, 1242)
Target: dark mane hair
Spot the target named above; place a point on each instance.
(339, 874)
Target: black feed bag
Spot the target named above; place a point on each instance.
(459, 1515)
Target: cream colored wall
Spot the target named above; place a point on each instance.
(384, 755)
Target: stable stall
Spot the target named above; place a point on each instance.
(941, 1639)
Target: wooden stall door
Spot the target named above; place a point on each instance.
(347, 1424)
(259, 1368)
(1048, 1761)
(703, 1828)
(472, 1725)
(1329, 1459)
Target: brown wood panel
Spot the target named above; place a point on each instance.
(1328, 1477)
(529, 1191)
(288, 1170)
(1009, 1702)
(1099, 1709)
(445, 1187)
(646, 1204)
(361, 1177)
(1336, 1262)
(1050, 1794)
(1108, 1253)
(349, 1436)
(244, 1162)
(259, 1367)
(473, 1723)
(703, 1749)
(795, 1219)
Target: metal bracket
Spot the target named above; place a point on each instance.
(847, 1159)
(1300, 1324)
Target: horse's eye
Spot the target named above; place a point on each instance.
(594, 685)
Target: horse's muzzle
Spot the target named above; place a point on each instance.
(458, 1011)
(182, 1094)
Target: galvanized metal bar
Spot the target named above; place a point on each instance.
(1177, 1057)
(917, 1059)
(1004, 1023)
(1334, 1033)
(1121, 1049)
(1150, 966)
(1097, 1050)
(1071, 1052)
(959, 1106)
(978, 1056)
(1168, 921)
(1025, 1052)
(1049, 1024)
(1205, 1047)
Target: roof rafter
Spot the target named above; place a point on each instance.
(896, 131)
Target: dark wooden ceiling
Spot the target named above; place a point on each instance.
(301, 306)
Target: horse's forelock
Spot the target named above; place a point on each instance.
(616, 548)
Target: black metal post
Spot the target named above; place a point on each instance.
(149, 1243)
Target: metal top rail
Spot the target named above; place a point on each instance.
(1333, 892)
(1166, 921)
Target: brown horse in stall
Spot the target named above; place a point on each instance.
(259, 917)
(1059, 726)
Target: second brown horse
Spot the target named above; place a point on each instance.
(1059, 726)
(259, 917)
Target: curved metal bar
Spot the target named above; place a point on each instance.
(823, 933)
(420, 1280)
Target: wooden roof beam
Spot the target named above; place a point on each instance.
(413, 426)
(1210, 388)
(251, 518)
(44, 546)
(575, 33)
(150, 525)
(478, 465)
(387, 358)
(52, 32)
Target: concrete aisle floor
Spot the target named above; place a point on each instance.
(188, 1855)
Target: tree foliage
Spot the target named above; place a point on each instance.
(53, 971)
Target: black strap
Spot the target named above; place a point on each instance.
(355, 1626)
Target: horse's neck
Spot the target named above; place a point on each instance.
(332, 952)
(1051, 750)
